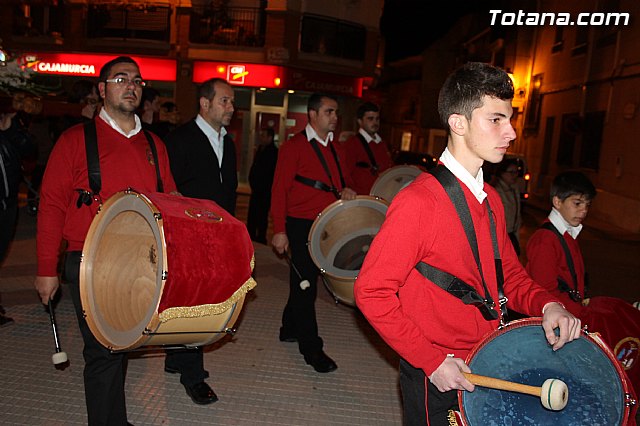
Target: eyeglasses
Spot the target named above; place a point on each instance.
(121, 81)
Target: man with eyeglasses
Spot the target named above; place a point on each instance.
(203, 163)
(125, 160)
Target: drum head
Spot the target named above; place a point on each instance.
(520, 353)
(392, 180)
(341, 235)
(121, 270)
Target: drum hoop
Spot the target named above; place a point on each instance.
(594, 338)
(383, 177)
(328, 212)
(152, 215)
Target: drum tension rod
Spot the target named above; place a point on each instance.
(147, 332)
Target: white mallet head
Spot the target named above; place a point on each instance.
(59, 358)
(554, 394)
(305, 284)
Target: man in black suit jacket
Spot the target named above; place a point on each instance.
(202, 155)
(203, 164)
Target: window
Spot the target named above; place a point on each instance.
(333, 37)
(559, 40)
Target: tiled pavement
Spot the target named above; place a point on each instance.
(260, 381)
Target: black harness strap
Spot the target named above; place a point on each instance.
(452, 284)
(562, 285)
(316, 183)
(373, 164)
(93, 159)
(93, 163)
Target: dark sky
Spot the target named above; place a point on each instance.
(408, 26)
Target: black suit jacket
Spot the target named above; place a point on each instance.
(195, 168)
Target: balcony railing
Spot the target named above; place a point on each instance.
(239, 26)
(125, 23)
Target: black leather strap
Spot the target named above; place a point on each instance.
(562, 285)
(443, 279)
(374, 165)
(93, 159)
(154, 152)
(323, 161)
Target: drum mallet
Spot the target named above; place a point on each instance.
(554, 393)
(304, 284)
(59, 357)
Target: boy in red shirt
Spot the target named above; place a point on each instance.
(432, 330)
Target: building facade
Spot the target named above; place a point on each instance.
(576, 99)
(274, 52)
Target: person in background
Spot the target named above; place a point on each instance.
(422, 246)
(84, 93)
(68, 206)
(366, 154)
(15, 144)
(505, 182)
(260, 180)
(309, 176)
(203, 163)
(150, 112)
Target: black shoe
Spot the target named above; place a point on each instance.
(201, 393)
(4, 321)
(171, 370)
(286, 337)
(320, 362)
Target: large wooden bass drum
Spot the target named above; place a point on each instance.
(160, 269)
(339, 240)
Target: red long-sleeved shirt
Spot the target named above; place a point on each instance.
(292, 198)
(355, 153)
(546, 262)
(419, 320)
(124, 163)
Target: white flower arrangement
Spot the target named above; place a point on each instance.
(14, 76)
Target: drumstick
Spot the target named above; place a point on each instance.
(554, 393)
(304, 284)
(59, 357)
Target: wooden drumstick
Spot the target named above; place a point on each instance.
(554, 393)
(304, 284)
(59, 357)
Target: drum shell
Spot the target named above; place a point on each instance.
(392, 180)
(128, 273)
(339, 238)
(599, 392)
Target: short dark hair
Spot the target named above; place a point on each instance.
(315, 101)
(148, 94)
(208, 88)
(570, 183)
(269, 131)
(80, 90)
(365, 108)
(106, 68)
(464, 89)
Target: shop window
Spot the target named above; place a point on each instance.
(332, 37)
(135, 22)
(580, 140)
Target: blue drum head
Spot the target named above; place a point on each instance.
(522, 354)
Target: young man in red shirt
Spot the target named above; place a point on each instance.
(432, 330)
(309, 176)
(366, 153)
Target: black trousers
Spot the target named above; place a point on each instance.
(299, 316)
(8, 219)
(413, 383)
(258, 215)
(104, 372)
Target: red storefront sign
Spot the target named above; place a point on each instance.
(89, 65)
(239, 74)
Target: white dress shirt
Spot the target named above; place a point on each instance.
(215, 139)
(475, 184)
